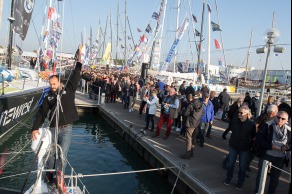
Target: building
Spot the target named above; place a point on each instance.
(279, 76)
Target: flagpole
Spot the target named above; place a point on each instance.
(248, 54)
(209, 47)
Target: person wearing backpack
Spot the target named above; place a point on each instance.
(193, 114)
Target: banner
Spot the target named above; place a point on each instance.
(173, 49)
(22, 13)
(107, 54)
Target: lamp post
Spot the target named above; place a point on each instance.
(271, 36)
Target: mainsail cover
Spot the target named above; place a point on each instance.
(22, 14)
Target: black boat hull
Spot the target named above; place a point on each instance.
(17, 106)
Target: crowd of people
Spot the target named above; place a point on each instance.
(192, 112)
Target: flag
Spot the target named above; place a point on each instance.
(19, 50)
(122, 47)
(209, 8)
(215, 27)
(276, 54)
(138, 29)
(275, 79)
(129, 38)
(120, 39)
(221, 63)
(22, 15)
(217, 44)
(50, 12)
(148, 29)
(155, 16)
(144, 39)
(197, 33)
(194, 18)
(199, 46)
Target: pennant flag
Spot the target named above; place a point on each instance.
(138, 29)
(144, 39)
(155, 16)
(120, 39)
(276, 54)
(22, 14)
(197, 32)
(19, 50)
(221, 63)
(122, 47)
(194, 18)
(217, 44)
(148, 29)
(209, 8)
(50, 12)
(129, 38)
(215, 27)
(199, 46)
(275, 79)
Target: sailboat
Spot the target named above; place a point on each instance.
(23, 96)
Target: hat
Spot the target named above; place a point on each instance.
(257, 94)
(283, 100)
(206, 94)
(196, 95)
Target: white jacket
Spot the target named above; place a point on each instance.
(152, 105)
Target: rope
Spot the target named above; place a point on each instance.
(183, 166)
(11, 153)
(119, 173)
(281, 169)
(6, 177)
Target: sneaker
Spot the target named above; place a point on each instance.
(130, 110)
(227, 182)
(177, 129)
(239, 186)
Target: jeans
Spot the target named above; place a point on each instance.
(148, 118)
(209, 130)
(64, 140)
(243, 155)
(202, 131)
(275, 173)
(142, 105)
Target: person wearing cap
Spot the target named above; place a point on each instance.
(285, 107)
(193, 114)
(206, 120)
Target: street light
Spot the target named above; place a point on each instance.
(271, 36)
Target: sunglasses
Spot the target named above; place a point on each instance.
(281, 118)
(241, 113)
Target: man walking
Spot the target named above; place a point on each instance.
(243, 132)
(168, 113)
(193, 114)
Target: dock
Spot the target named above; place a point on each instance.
(201, 174)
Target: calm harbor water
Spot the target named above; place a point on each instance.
(95, 149)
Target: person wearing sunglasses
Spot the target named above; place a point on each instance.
(275, 140)
(243, 132)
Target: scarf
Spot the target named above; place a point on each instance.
(281, 133)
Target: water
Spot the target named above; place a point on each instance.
(95, 149)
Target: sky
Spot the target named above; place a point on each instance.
(237, 19)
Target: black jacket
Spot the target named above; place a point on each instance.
(215, 103)
(69, 113)
(193, 114)
(242, 134)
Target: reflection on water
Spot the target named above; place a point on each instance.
(94, 149)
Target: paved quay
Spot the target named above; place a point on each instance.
(205, 173)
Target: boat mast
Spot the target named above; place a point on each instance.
(162, 29)
(104, 36)
(125, 35)
(201, 37)
(155, 42)
(177, 26)
(11, 20)
(209, 47)
(248, 54)
(48, 28)
(111, 27)
(117, 45)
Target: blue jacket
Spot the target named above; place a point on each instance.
(208, 112)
